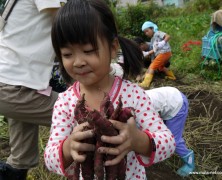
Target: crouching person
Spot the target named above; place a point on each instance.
(173, 108)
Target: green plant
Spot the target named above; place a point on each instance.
(130, 19)
(3, 128)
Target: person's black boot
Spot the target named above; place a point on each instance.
(9, 173)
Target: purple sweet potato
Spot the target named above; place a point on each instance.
(106, 107)
(99, 162)
(116, 112)
(87, 167)
(125, 114)
(94, 163)
(122, 114)
(122, 169)
(104, 126)
(76, 171)
(80, 110)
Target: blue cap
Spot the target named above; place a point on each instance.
(149, 24)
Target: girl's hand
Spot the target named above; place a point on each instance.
(73, 148)
(130, 138)
(146, 54)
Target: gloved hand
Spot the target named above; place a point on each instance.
(146, 54)
(161, 44)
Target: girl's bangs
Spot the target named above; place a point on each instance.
(78, 25)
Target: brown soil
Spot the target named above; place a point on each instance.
(161, 171)
(203, 105)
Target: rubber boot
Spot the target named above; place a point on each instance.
(147, 80)
(9, 173)
(170, 75)
(189, 165)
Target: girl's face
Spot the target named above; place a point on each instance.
(148, 32)
(87, 65)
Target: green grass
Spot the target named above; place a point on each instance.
(185, 28)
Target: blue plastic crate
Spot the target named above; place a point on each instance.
(207, 49)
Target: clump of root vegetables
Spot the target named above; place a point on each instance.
(93, 167)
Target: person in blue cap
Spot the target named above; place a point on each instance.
(162, 51)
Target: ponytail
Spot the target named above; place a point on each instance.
(133, 58)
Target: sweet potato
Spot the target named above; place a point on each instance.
(80, 110)
(99, 163)
(76, 171)
(115, 114)
(122, 169)
(106, 107)
(122, 114)
(87, 167)
(125, 114)
(102, 126)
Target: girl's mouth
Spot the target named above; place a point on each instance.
(82, 73)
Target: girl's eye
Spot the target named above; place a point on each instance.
(66, 55)
(91, 51)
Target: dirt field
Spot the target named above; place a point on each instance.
(203, 131)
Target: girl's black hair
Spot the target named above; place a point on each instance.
(139, 40)
(83, 21)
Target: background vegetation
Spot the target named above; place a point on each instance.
(186, 26)
(190, 23)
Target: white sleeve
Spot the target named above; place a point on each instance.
(145, 53)
(47, 4)
(61, 128)
(117, 70)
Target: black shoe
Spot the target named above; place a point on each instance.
(9, 173)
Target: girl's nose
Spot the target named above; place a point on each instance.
(78, 61)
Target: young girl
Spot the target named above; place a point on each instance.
(173, 108)
(162, 51)
(85, 40)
